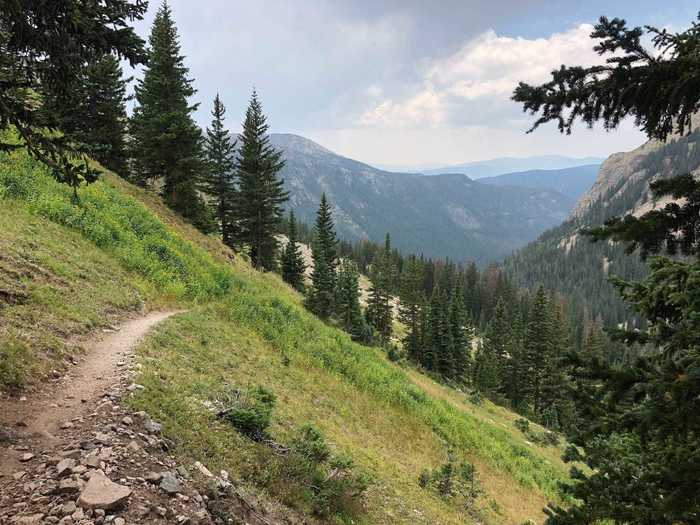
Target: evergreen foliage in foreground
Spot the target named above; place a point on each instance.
(642, 435)
(642, 443)
(96, 117)
(166, 142)
(261, 194)
(44, 47)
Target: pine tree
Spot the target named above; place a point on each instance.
(95, 119)
(219, 183)
(321, 297)
(293, 265)
(554, 383)
(44, 47)
(166, 143)
(537, 351)
(461, 339)
(447, 365)
(410, 307)
(261, 193)
(641, 440)
(485, 375)
(432, 330)
(324, 231)
(497, 337)
(378, 313)
(471, 292)
(512, 374)
(348, 309)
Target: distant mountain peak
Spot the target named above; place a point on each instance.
(449, 215)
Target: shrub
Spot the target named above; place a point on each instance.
(249, 412)
(13, 358)
(311, 445)
(476, 397)
(393, 353)
(453, 480)
(311, 478)
(547, 438)
(522, 424)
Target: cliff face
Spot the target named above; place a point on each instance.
(564, 260)
(617, 174)
(626, 176)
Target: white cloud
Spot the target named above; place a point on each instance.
(473, 86)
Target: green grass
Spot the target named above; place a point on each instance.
(361, 402)
(66, 270)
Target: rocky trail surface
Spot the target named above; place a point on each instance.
(72, 454)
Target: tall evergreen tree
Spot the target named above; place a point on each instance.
(324, 231)
(497, 338)
(261, 192)
(411, 295)
(293, 265)
(485, 373)
(447, 365)
(96, 117)
(461, 339)
(537, 351)
(166, 143)
(553, 406)
(321, 297)
(512, 372)
(219, 183)
(378, 313)
(434, 330)
(348, 309)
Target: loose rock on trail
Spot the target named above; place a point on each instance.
(71, 454)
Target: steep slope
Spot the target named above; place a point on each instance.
(564, 260)
(572, 182)
(68, 270)
(501, 165)
(447, 215)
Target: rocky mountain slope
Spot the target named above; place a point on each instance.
(564, 260)
(573, 182)
(447, 215)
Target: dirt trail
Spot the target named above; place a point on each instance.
(96, 373)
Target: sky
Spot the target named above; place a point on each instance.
(402, 83)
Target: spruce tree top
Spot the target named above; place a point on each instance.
(165, 82)
(324, 230)
(219, 145)
(256, 155)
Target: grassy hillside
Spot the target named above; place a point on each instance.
(66, 270)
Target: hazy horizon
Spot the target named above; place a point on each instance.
(401, 83)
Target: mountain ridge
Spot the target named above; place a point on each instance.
(562, 259)
(573, 181)
(449, 215)
(503, 165)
